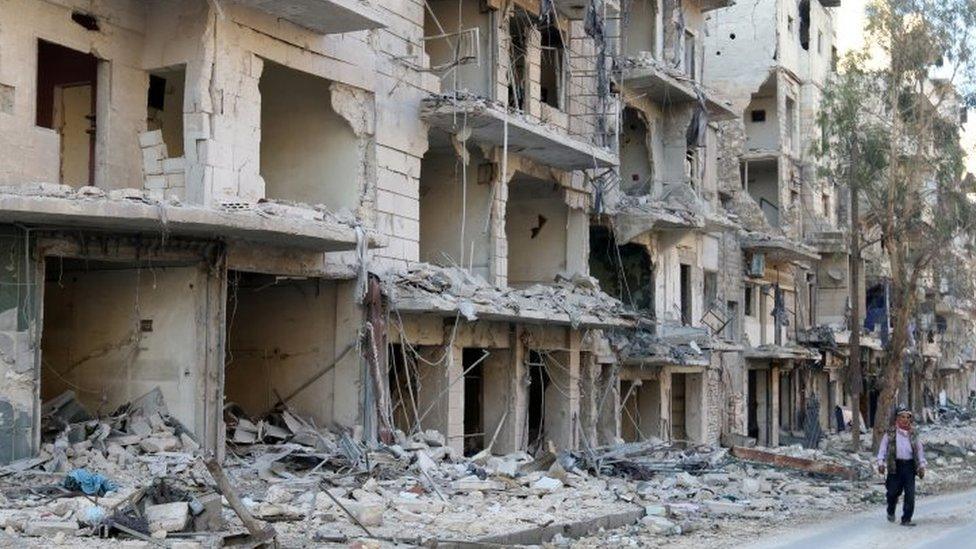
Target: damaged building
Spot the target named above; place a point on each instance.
(523, 224)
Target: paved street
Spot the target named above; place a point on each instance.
(944, 522)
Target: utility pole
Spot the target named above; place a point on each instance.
(854, 375)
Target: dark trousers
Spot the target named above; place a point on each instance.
(902, 479)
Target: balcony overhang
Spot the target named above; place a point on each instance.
(576, 9)
(777, 249)
(632, 222)
(322, 16)
(136, 216)
(779, 352)
(487, 123)
(661, 86)
(709, 5)
(450, 292)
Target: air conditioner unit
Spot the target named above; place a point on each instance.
(757, 266)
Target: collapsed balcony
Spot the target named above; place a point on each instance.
(445, 291)
(492, 124)
(650, 78)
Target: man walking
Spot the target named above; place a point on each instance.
(902, 456)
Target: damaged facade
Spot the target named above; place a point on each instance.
(521, 224)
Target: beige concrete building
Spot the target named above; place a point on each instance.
(520, 223)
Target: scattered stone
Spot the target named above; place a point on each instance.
(50, 528)
(168, 517)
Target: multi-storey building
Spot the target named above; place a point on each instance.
(516, 222)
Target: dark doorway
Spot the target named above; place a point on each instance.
(538, 382)
(753, 405)
(474, 435)
(686, 294)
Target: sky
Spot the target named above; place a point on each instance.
(850, 36)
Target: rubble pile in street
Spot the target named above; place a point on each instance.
(138, 473)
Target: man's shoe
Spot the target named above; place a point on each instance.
(908, 523)
(891, 518)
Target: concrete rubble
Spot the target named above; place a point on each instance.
(452, 290)
(301, 479)
(380, 272)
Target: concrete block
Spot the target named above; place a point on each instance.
(196, 125)
(155, 182)
(175, 180)
(151, 167)
(174, 165)
(156, 194)
(159, 443)
(369, 514)
(150, 138)
(169, 517)
(154, 154)
(51, 528)
(211, 519)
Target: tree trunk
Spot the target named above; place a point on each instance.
(854, 375)
(892, 372)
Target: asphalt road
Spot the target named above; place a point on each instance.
(944, 522)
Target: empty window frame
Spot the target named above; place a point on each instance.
(518, 28)
(691, 53)
(686, 294)
(552, 79)
(748, 299)
(757, 115)
(710, 288)
(164, 107)
(66, 102)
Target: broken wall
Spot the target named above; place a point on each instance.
(279, 336)
(19, 417)
(748, 34)
(30, 153)
(114, 334)
(454, 210)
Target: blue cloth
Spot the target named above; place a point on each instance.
(90, 483)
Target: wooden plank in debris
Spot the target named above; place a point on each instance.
(790, 462)
(259, 534)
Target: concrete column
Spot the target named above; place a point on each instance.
(578, 242)
(664, 422)
(608, 422)
(505, 396)
(774, 406)
(763, 406)
(589, 396)
(562, 396)
(696, 413)
(533, 58)
(349, 373)
(441, 394)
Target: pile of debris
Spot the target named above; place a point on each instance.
(425, 287)
(131, 473)
(327, 485)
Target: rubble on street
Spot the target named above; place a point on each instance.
(137, 474)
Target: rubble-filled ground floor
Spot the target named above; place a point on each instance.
(143, 483)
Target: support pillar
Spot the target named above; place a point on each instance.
(774, 406)
(696, 412)
(441, 395)
(505, 395)
(562, 408)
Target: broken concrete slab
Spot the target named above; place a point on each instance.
(169, 517)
